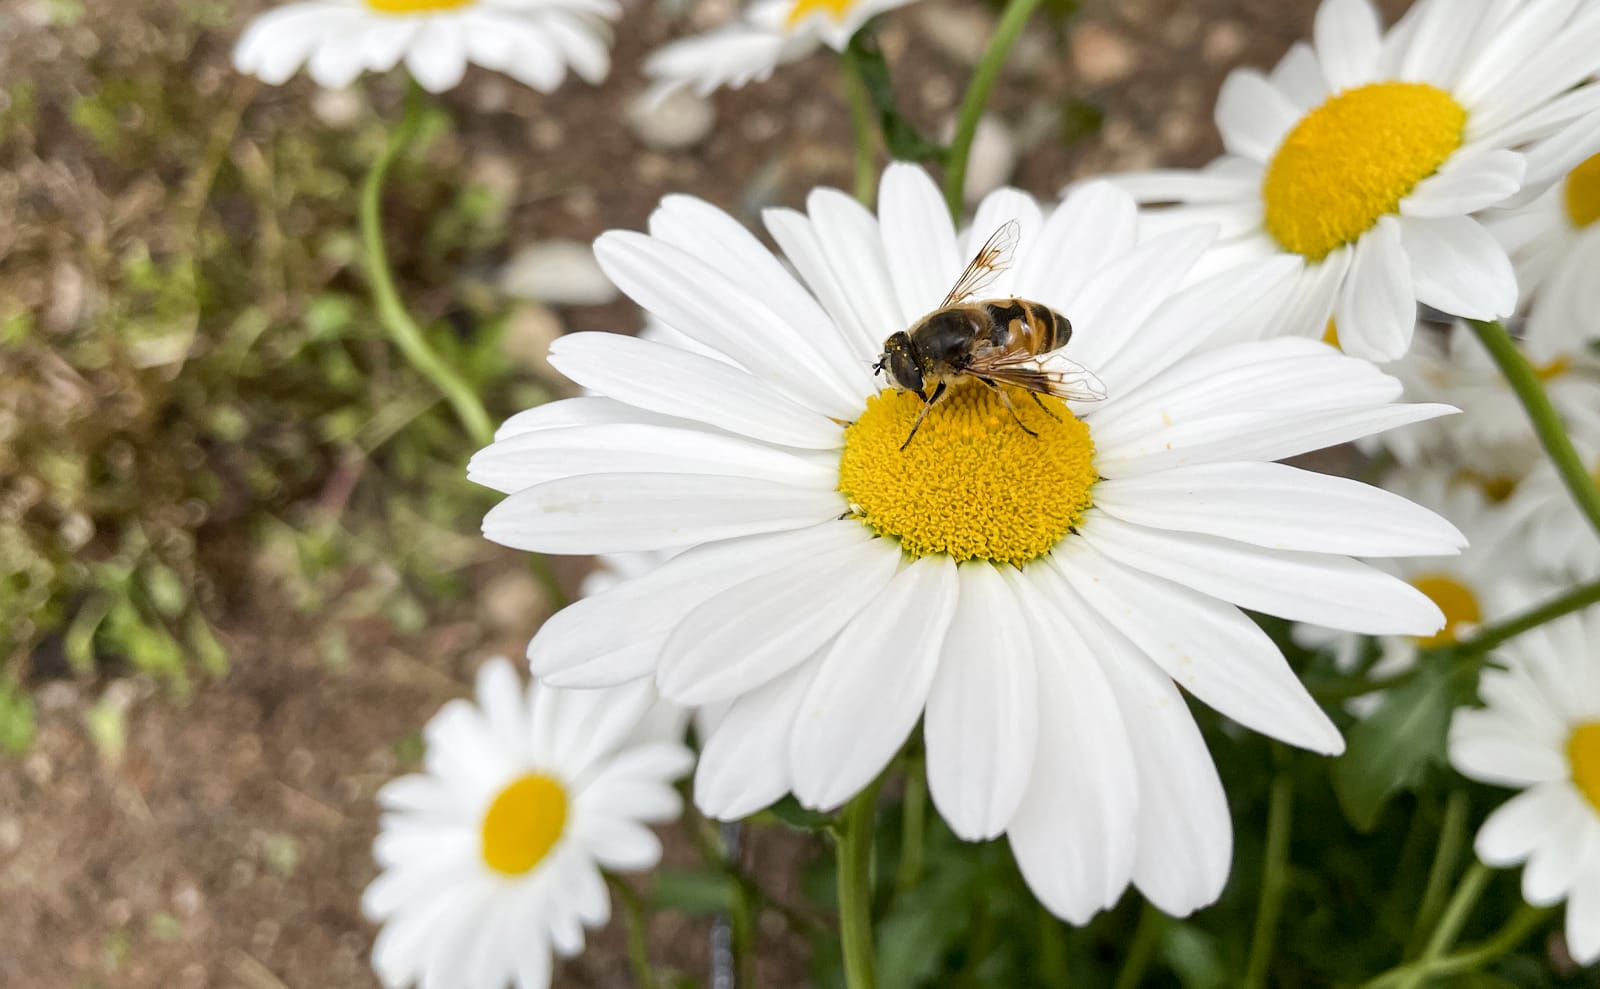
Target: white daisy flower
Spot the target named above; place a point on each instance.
(768, 33)
(1540, 731)
(1554, 243)
(1364, 155)
(532, 41)
(1493, 439)
(491, 857)
(1480, 585)
(1556, 534)
(1032, 598)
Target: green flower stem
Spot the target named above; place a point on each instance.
(853, 838)
(1146, 937)
(913, 824)
(862, 125)
(644, 977)
(1577, 599)
(1006, 33)
(1522, 923)
(402, 329)
(1452, 836)
(1546, 423)
(1444, 935)
(1274, 880)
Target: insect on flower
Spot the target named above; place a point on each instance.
(994, 341)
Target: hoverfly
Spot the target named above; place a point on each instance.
(993, 341)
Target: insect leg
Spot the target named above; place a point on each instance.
(1006, 401)
(927, 404)
(1040, 403)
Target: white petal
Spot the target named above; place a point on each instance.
(674, 382)
(851, 243)
(982, 720)
(1096, 223)
(438, 57)
(621, 845)
(1348, 35)
(1442, 34)
(1309, 307)
(1183, 834)
(1253, 115)
(1330, 591)
(532, 458)
(1518, 826)
(1183, 185)
(1074, 833)
(1280, 507)
(1459, 268)
(1123, 294)
(1552, 868)
(1583, 903)
(806, 329)
(752, 632)
(617, 635)
(1299, 77)
(1208, 646)
(1466, 183)
(500, 695)
(698, 300)
(918, 239)
(1377, 309)
(745, 763)
(1490, 751)
(872, 684)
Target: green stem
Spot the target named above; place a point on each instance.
(1006, 33)
(644, 977)
(1577, 599)
(1546, 422)
(913, 824)
(1452, 836)
(854, 857)
(1145, 939)
(1274, 880)
(402, 329)
(1522, 923)
(862, 125)
(1455, 917)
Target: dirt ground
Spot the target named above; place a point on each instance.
(225, 840)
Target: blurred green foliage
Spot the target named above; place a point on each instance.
(194, 391)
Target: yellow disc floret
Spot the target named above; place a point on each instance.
(1583, 752)
(523, 824)
(1350, 161)
(972, 483)
(1583, 193)
(1455, 599)
(416, 6)
(836, 9)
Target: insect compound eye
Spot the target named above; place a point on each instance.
(903, 371)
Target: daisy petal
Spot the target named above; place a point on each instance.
(1206, 645)
(1377, 309)
(918, 239)
(1467, 183)
(1518, 826)
(1458, 267)
(1348, 36)
(1253, 115)
(982, 719)
(872, 685)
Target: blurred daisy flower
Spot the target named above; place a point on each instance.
(532, 41)
(1364, 156)
(1540, 731)
(1479, 585)
(1030, 598)
(769, 33)
(1554, 244)
(491, 857)
(1556, 534)
(1492, 441)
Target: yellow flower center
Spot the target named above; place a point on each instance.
(1583, 193)
(836, 9)
(523, 824)
(1583, 752)
(1496, 487)
(1350, 161)
(1330, 336)
(971, 483)
(416, 6)
(1455, 599)
(1554, 369)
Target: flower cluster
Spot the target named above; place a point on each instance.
(1002, 491)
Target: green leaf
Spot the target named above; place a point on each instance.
(904, 141)
(692, 893)
(16, 718)
(1392, 750)
(790, 814)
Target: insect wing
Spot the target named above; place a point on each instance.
(993, 258)
(1055, 375)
